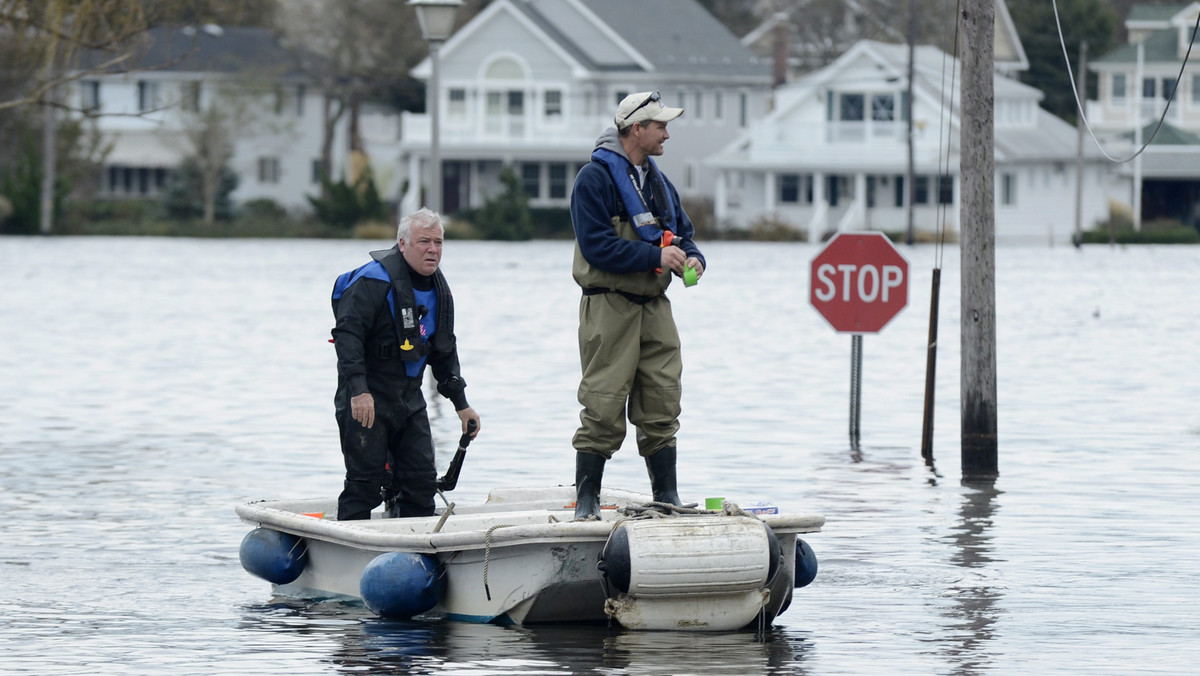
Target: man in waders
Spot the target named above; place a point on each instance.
(393, 315)
(624, 210)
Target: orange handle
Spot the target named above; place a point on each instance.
(667, 236)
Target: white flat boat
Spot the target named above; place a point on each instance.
(520, 558)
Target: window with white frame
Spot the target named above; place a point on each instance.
(743, 109)
(1168, 88)
(718, 107)
(268, 170)
(1008, 189)
(920, 190)
(850, 107)
(301, 91)
(789, 188)
(698, 113)
(558, 180)
(456, 104)
(1149, 86)
(1196, 88)
(553, 103)
(317, 171)
(883, 107)
(531, 179)
(89, 95)
(1119, 88)
(147, 93)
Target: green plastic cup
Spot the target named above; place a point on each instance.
(690, 277)
(714, 504)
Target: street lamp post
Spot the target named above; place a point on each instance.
(437, 23)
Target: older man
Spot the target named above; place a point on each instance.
(394, 315)
(631, 234)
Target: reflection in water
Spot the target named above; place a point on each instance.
(362, 643)
(974, 611)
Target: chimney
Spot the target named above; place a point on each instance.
(779, 70)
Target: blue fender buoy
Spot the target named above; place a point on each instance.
(276, 557)
(399, 585)
(806, 564)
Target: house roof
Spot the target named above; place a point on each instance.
(1155, 13)
(1159, 46)
(678, 38)
(1048, 138)
(208, 49)
(1167, 135)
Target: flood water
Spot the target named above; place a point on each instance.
(147, 386)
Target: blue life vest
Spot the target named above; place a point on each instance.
(371, 270)
(427, 303)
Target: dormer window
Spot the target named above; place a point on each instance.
(883, 107)
(850, 107)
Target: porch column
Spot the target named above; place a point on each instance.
(770, 191)
(720, 209)
(411, 200)
(474, 192)
(860, 199)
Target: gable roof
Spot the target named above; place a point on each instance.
(678, 38)
(868, 61)
(208, 49)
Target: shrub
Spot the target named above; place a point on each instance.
(1119, 230)
(506, 216)
(348, 205)
(22, 185)
(262, 209)
(183, 195)
(551, 223)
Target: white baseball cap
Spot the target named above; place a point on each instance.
(644, 106)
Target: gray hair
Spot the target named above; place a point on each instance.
(421, 218)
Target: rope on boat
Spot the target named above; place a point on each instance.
(658, 510)
(487, 555)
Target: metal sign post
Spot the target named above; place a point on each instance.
(859, 283)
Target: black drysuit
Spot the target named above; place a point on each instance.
(375, 339)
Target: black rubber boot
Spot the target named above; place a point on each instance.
(661, 466)
(589, 469)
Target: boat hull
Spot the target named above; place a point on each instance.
(519, 559)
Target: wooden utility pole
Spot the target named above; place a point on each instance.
(978, 225)
(911, 177)
(1077, 238)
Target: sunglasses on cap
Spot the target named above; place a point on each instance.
(653, 98)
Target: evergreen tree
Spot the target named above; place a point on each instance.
(1090, 20)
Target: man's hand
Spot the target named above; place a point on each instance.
(469, 413)
(672, 258)
(362, 409)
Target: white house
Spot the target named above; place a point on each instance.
(833, 155)
(145, 113)
(1137, 81)
(532, 83)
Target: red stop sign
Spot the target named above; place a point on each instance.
(859, 282)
